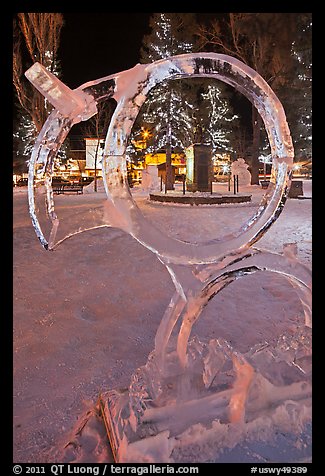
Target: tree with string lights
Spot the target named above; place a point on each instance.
(264, 42)
(214, 117)
(295, 92)
(175, 111)
(166, 110)
(298, 97)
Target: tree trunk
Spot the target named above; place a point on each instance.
(95, 176)
(169, 167)
(256, 124)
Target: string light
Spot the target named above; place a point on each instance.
(169, 112)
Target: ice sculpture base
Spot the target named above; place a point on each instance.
(128, 446)
(174, 415)
(217, 443)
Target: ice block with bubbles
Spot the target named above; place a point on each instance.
(69, 102)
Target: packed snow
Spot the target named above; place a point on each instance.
(86, 314)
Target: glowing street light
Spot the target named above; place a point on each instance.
(145, 133)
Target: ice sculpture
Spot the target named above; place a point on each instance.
(240, 168)
(191, 393)
(150, 180)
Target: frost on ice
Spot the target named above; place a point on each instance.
(194, 397)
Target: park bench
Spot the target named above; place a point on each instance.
(60, 188)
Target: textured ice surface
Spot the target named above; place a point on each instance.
(130, 89)
(75, 104)
(195, 413)
(194, 397)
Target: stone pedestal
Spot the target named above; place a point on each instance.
(199, 168)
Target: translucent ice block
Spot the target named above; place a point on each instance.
(70, 103)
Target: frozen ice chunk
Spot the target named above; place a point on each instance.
(285, 361)
(68, 102)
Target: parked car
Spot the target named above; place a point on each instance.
(22, 182)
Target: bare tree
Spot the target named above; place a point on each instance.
(96, 128)
(36, 38)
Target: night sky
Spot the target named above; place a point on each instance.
(94, 45)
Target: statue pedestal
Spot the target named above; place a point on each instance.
(199, 168)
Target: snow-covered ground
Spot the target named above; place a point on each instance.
(85, 317)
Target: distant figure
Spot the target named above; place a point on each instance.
(198, 137)
(239, 167)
